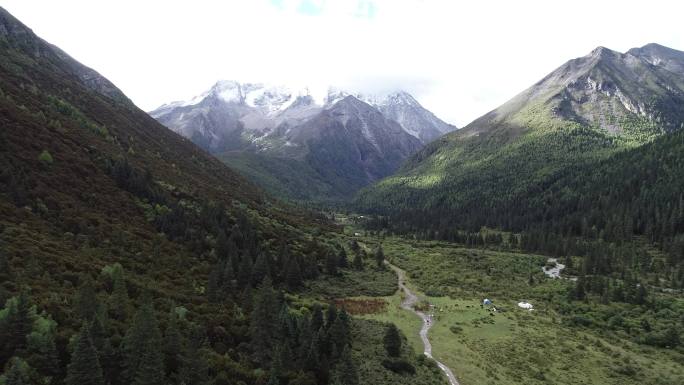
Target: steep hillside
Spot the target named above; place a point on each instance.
(583, 112)
(130, 255)
(340, 143)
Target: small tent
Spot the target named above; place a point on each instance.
(525, 305)
(486, 302)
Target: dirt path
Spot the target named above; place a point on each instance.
(407, 304)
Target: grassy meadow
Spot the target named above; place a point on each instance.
(512, 345)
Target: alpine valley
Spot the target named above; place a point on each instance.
(269, 235)
(300, 147)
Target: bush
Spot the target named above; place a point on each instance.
(399, 366)
(45, 157)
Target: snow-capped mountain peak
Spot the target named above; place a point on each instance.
(261, 107)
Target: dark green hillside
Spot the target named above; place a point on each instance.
(283, 177)
(585, 162)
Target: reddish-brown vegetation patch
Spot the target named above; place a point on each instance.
(361, 306)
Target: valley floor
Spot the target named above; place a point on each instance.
(510, 345)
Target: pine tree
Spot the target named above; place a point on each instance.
(641, 294)
(379, 257)
(86, 303)
(119, 301)
(264, 320)
(245, 271)
(392, 341)
(214, 284)
(330, 316)
(110, 362)
(18, 324)
(342, 258)
(194, 367)
(143, 361)
(346, 372)
(358, 261)
(173, 343)
(222, 246)
(354, 246)
(339, 331)
(229, 277)
(316, 318)
(84, 367)
(98, 334)
(260, 269)
(273, 379)
(42, 350)
(5, 272)
(18, 373)
(331, 263)
(151, 368)
(293, 275)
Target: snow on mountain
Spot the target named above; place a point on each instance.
(414, 118)
(257, 109)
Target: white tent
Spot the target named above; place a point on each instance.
(525, 305)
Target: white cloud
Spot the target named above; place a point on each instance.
(460, 59)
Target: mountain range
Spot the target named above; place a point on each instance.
(299, 146)
(133, 254)
(496, 170)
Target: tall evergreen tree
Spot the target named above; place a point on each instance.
(18, 373)
(331, 263)
(42, 350)
(213, 290)
(84, 367)
(342, 258)
(316, 318)
(119, 301)
(358, 260)
(86, 303)
(260, 269)
(346, 372)
(222, 246)
(264, 320)
(293, 275)
(379, 257)
(5, 273)
(392, 341)
(194, 366)
(330, 316)
(17, 325)
(143, 359)
(339, 331)
(245, 271)
(173, 343)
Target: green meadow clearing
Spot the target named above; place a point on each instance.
(514, 345)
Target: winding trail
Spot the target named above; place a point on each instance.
(407, 304)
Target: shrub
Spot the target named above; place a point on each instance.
(399, 366)
(45, 157)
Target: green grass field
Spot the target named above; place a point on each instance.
(512, 346)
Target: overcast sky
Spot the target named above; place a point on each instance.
(460, 59)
